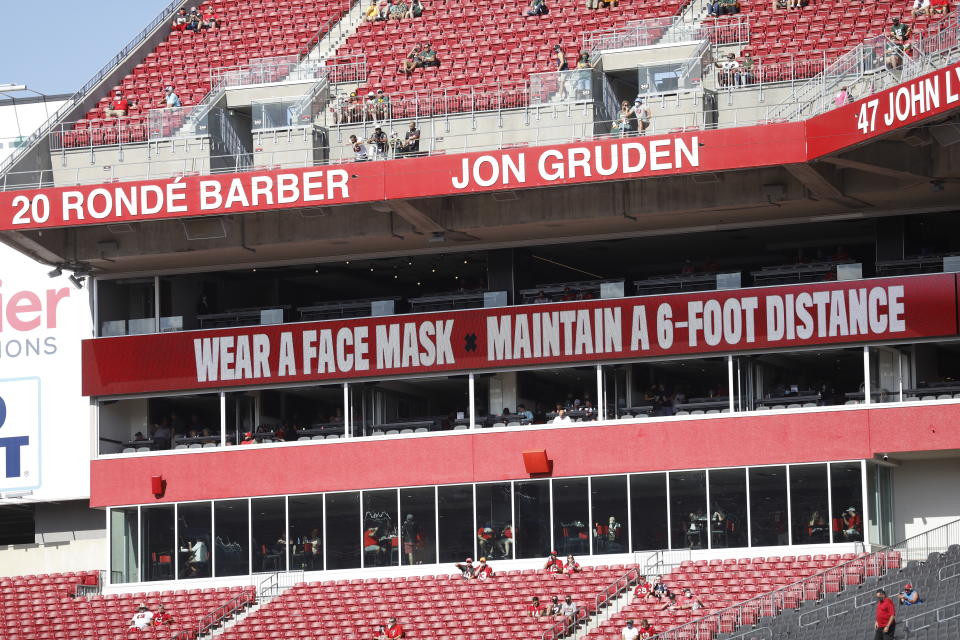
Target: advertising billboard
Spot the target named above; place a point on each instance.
(45, 422)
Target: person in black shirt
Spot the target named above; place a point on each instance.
(379, 142)
(411, 141)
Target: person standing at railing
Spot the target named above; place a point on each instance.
(744, 75)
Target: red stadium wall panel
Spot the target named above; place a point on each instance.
(786, 317)
(451, 458)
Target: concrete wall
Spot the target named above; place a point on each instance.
(69, 537)
(289, 147)
(925, 495)
(160, 159)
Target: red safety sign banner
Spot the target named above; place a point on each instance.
(783, 317)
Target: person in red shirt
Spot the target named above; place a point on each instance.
(535, 608)
(483, 570)
(553, 564)
(161, 617)
(643, 588)
(118, 107)
(248, 438)
(886, 622)
(485, 539)
(571, 566)
(394, 630)
(646, 630)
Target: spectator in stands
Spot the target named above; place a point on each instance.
(659, 589)
(556, 607)
(505, 541)
(415, 10)
(851, 525)
(584, 78)
(893, 55)
(198, 560)
(410, 536)
(483, 570)
(485, 540)
(372, 12)
(562, 417)
(193, 20)
(170, 98)
(526, 413)
(646, 630)
(372, 547)
(180, 20)
(210, 20)
(359, 149)
(118, 107)
(940, 7)
(669, 601)
(378, 142)
(466, 569)
(428, 56)
(643, 588)
(161, 435)
(393, 630)
(909, 596)
(885, 624)
(900, 31)
(727, 70)
(729, 7)
(596, 4)
(553, 564)
(398, 10)
(538, 8)
(413, 60)
(689, 601)
(411, 139)
(571, 566)
(744, 75)
(629, 632)
(569, 612)
(817, 528)
(536, 609)
(248, 438)
(921, 8)
(142, 619)
(623, 124)
(560, 58)
(161, 617)
(843, 97)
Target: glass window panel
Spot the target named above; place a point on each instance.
(532, 501)
(609, 502)
(728, 508)
(306, 532)
(494, 522)
(231, 553)
(158, 543)
(124, 560)
(381, 544)
(455, 521)
(847, 487)
(343, 530)
(768, 506)
(194, 531)
(419, 525)
(808, 501)
(688, 503)
(648, 507)
(570, 516)
(269, 543)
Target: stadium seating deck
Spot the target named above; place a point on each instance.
(486, 44)
(250, 29)
(435, 607)
(45, 607)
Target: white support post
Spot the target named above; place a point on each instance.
(347, 417)
(730, 394)
(601, 401)
(866, 374)
(865, 518)
(472, 400)
(223, 419)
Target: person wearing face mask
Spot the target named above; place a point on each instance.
(630, 632)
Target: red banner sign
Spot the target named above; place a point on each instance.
(577, 163)
(706, 322)
(894, 108)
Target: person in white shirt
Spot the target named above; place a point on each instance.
(562, 417)
(142, 619)
(199, 557)
(629, 632)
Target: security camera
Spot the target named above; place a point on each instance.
(884, 457)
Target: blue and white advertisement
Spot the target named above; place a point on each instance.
(45, 423)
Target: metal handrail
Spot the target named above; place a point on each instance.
(90, 84)
(917, 547)
(213, 618)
